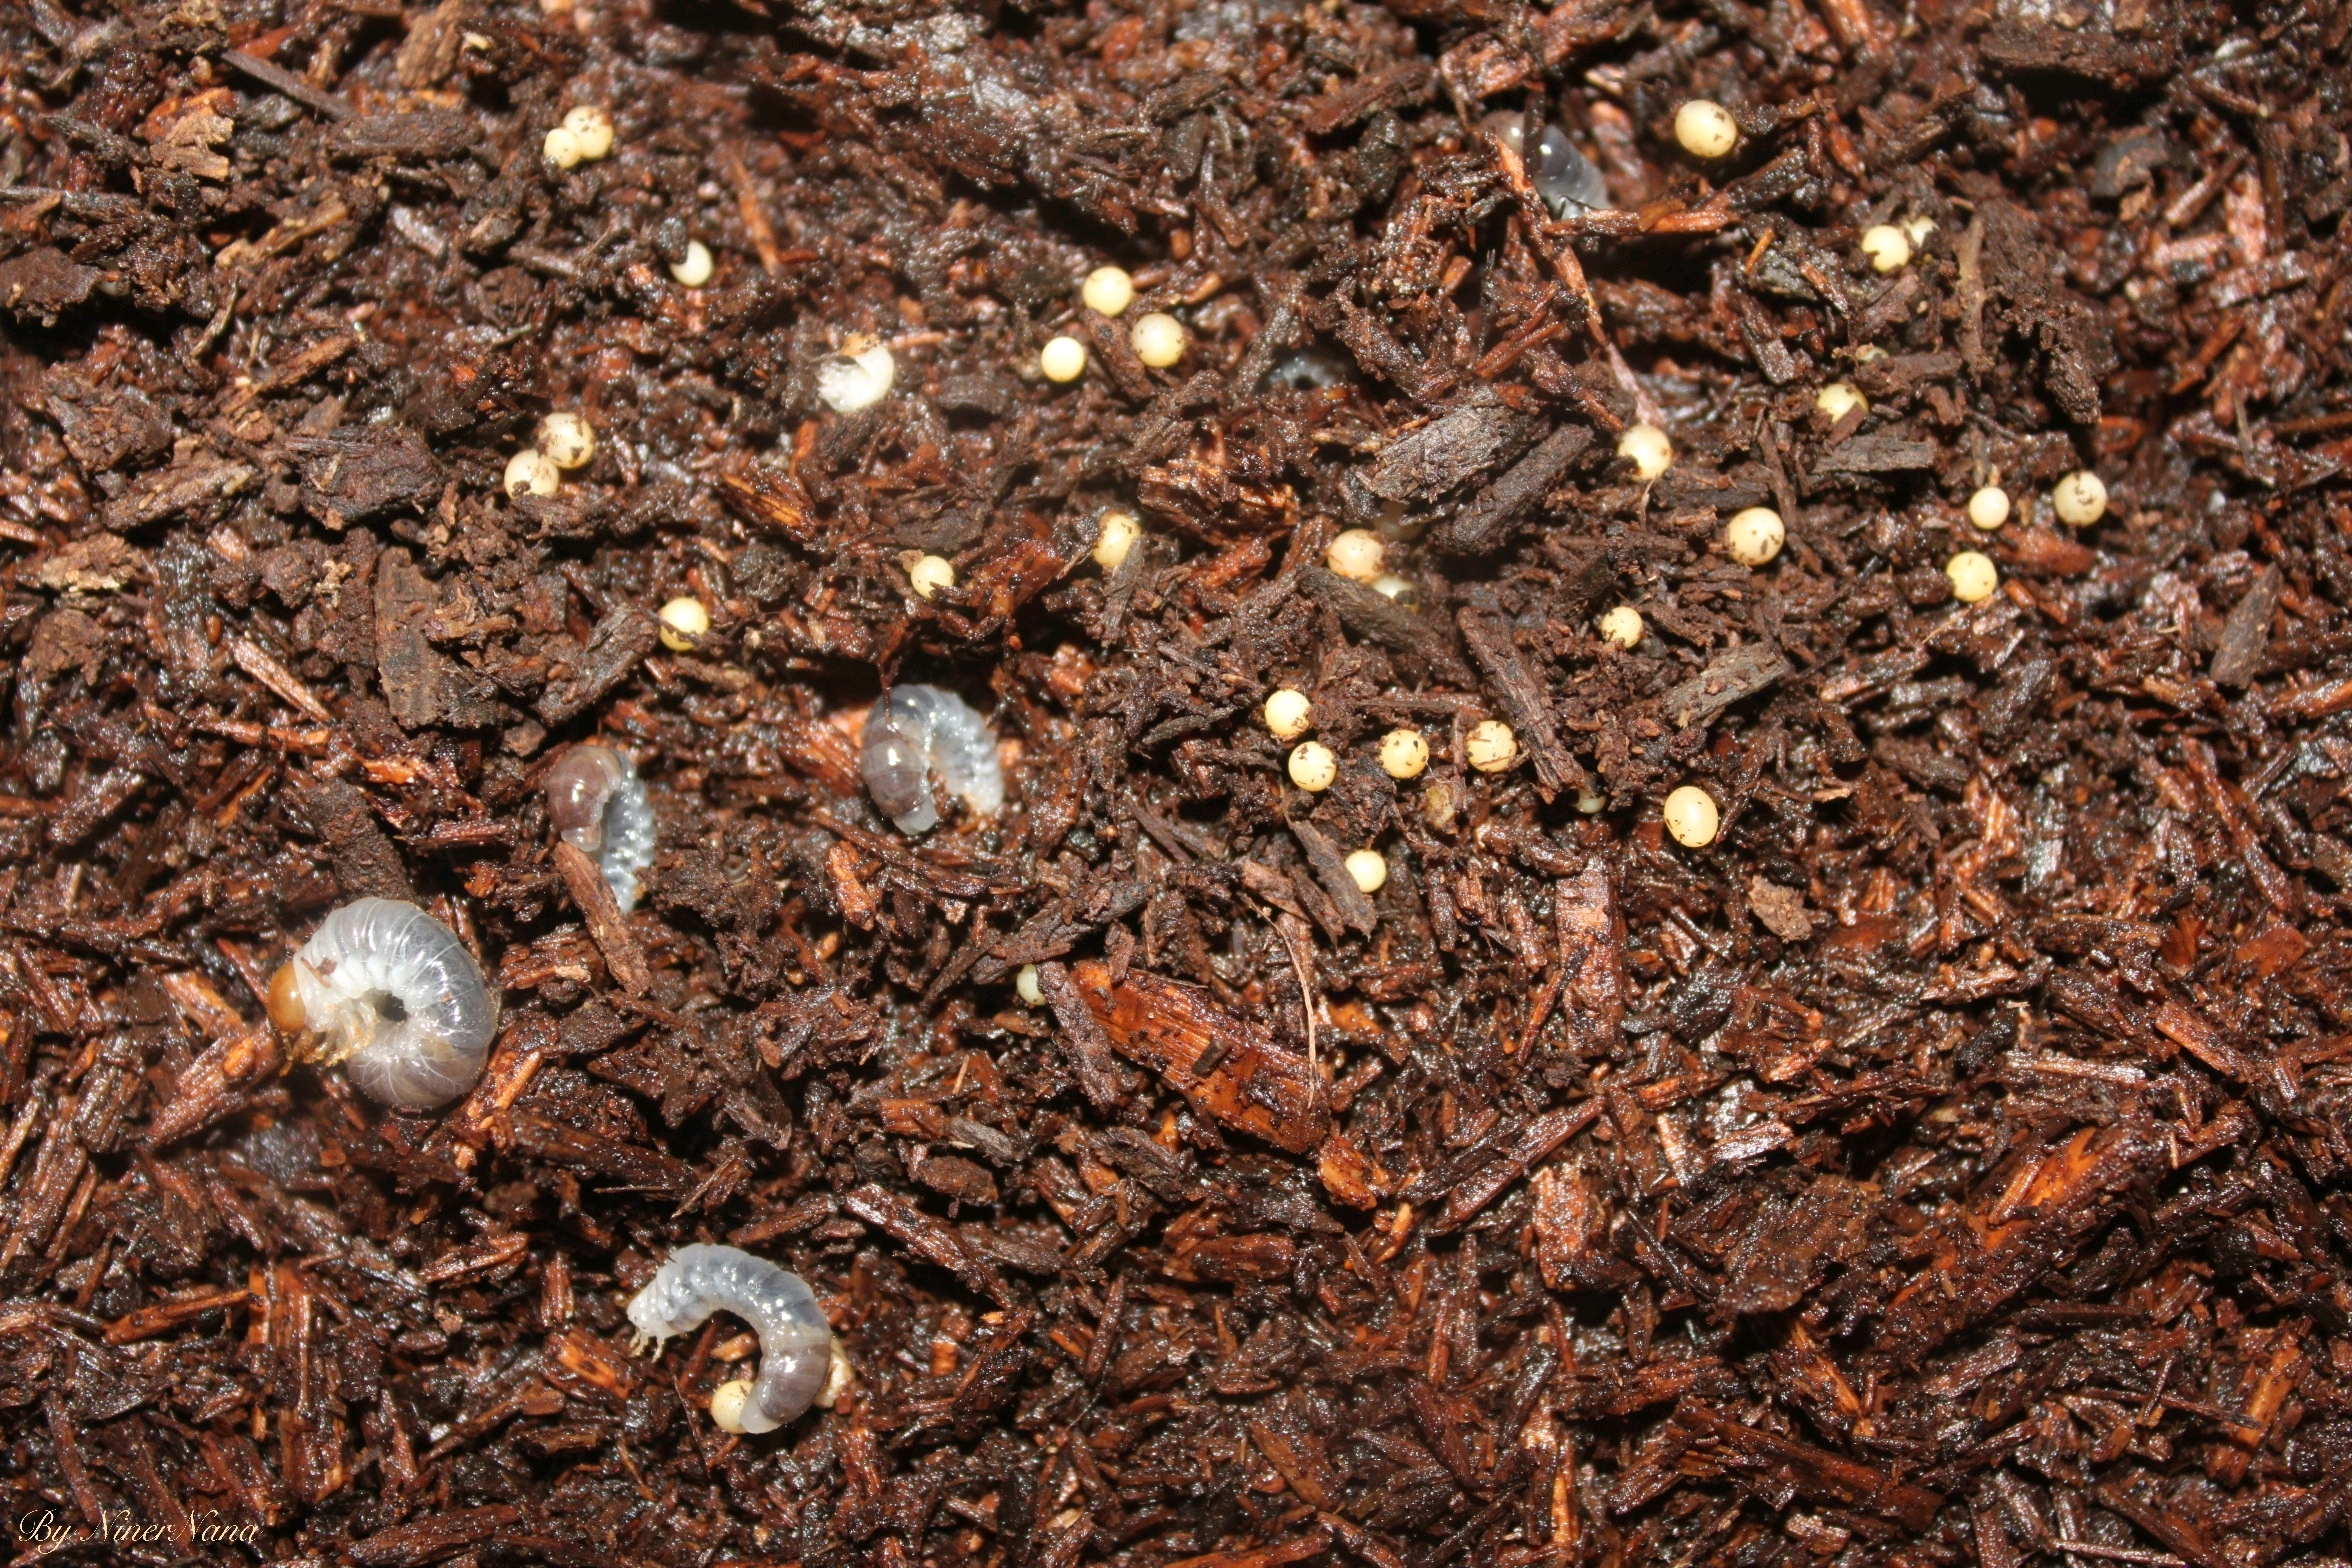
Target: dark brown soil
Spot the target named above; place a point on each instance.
(1948, 1165)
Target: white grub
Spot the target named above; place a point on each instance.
(392, 995)
(919, 731)
(1566, 178)
(849, 382)
(599, 806)
(796, 1343)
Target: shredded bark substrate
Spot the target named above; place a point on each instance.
(1946, 1165)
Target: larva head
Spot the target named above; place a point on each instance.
(839, 1375)
(285, 1000)
(728, 1403)
(579, 787)
(649, 1311)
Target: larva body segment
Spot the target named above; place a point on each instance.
(599, 806)
(392, 995)
(920, 730)
(1566, 178)
(796, 1343)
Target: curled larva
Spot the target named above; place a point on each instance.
(1311, 369)
(921, 730)
(850, 381)
(391, 994)
(796, 1343)
(1566, 178)
(599, 806)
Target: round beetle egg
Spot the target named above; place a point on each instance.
(2080, 498)
(1705, 128)
(531, 472)
(1691, 817)
(1063, 359)
(1403, 754)
(1158, 339)
(685, 621)
(1108, 291)
(1646, 447)
(1988, 509)
(568, 439)
(1754, 536)
(1289, 714)
(1490, 746)
(1313, 767)
(1114, 536)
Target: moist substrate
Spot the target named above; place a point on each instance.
(1945, 1165)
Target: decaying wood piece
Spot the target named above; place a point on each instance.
(216, 1083)
(1418, 641)
(421, 684)
(1228, 1071)
(607, 926)
(1524, 700)
(2245, 635)
(767, 497)
(1533, 1145)
(1422, 465)
(1592, 961)
(1484, 524)
(1734, 677)
(1956, 1152)
(365, 862)
(2022, 1222)
(1354, 907)
(1082, 1035)
(1812, 1472)
(615, 646)
(925, 1237)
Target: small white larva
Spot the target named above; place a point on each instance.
(796, 1343)
(392, 995)
(599, 806)
(920, 729)
(850, 381)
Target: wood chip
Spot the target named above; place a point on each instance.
(607, 926)
(1249, 1083)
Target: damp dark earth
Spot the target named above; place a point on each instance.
(1411, 784)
